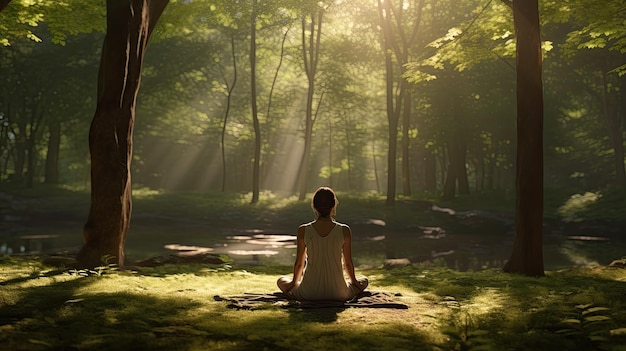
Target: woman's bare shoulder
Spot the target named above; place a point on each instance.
(342, 224)
(304, 225)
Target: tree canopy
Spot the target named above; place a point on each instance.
(459, 72)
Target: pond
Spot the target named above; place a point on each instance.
(479, 245)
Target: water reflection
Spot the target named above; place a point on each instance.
(374, 245)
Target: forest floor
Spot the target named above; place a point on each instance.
(172, 307)
(579, 305)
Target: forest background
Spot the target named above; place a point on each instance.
(416, 105)
(453, 94)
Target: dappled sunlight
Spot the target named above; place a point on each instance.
(488, 300)
(578, 203)
(172, 307)
(577, 257)
(145, 193)
(185, 250)
(281, 169)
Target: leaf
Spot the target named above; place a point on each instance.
(595, 309)
(39, 342)
(74, 300)
(596, 318)
(618, 331)
(571, 321)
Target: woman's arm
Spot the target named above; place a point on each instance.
(298, 266)
(286, 285)
(347, 255)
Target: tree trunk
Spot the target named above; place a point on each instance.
(376, 179)
(406, 125)
(129, 25)
(255, 115)
(430, 170)
(449, 186)
(527, 255)
(392, 136)
(614, 125)
(268, 125)
(393, 99)
(229, 97)
(52, 154)
(310, 55)
(35, 121)
(461, 160)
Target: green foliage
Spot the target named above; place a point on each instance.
(589, 325)
(62, 18)
(603, 205)
(460, 65)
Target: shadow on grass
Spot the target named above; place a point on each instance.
(575, 309)
(78, 313)
(63, 315)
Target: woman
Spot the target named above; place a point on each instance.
(322, 245)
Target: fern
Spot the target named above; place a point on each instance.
(590, 323)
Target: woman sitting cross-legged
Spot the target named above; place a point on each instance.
(324, 252)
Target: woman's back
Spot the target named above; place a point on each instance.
(323, 277)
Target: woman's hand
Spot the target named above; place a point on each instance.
(289, 286)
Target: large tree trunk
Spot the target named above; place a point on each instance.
(527, 255)
(129, 25)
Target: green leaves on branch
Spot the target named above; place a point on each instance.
(22, 18)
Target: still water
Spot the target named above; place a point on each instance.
(374, 243)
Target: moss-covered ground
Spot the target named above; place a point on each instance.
(172, 308)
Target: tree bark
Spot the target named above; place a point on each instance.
(527, 255)
(129, 25)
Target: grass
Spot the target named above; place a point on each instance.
(172, 307)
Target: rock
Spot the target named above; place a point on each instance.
(621, 263)
(397, 262)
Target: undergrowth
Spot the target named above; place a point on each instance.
(172, 307)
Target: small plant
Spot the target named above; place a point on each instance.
(105, 267)
(591, 324)
(462, 332)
